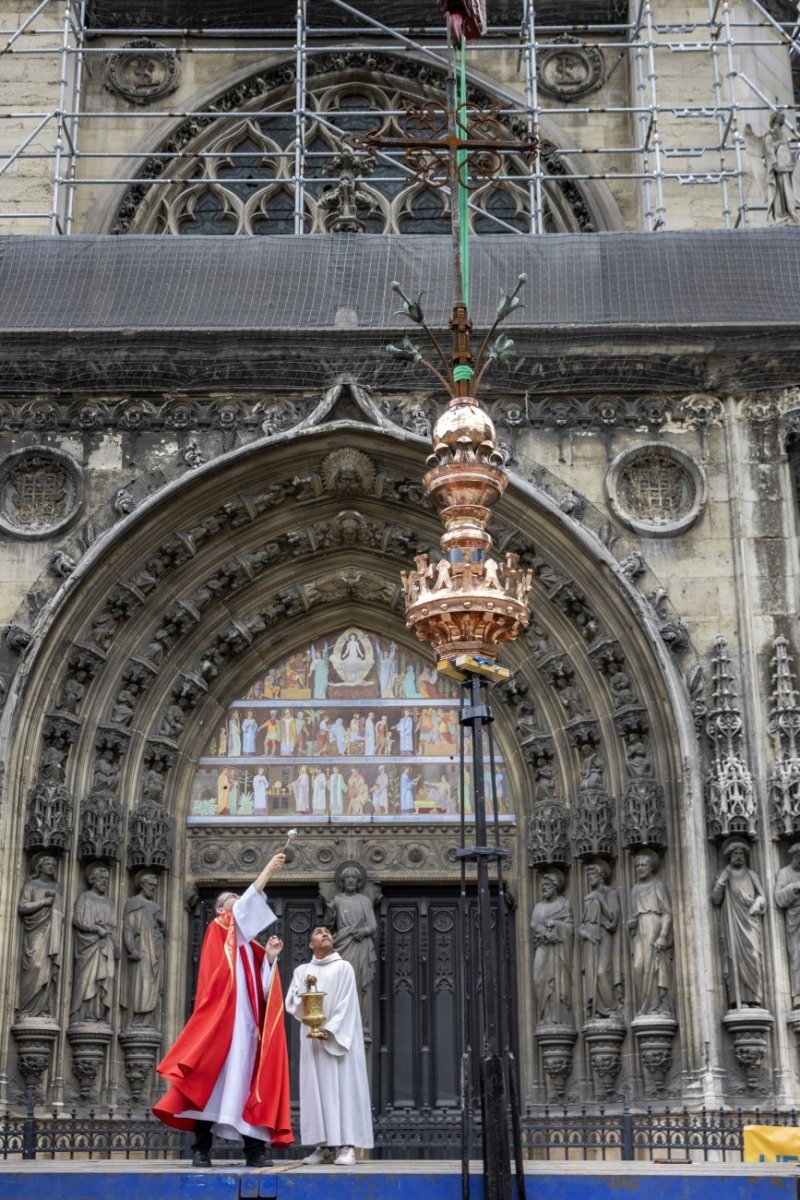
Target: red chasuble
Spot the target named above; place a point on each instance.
(197, 1057)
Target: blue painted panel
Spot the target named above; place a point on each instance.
(97, 1183)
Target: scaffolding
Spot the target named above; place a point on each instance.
(631, 136)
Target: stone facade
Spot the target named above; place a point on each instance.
(160, 544)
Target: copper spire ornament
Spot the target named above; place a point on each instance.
(469, 602)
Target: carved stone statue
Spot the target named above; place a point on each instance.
(650, 926)
(96, 948)
(599, 931)
(143, 938)
(740, 898)
(779, 160)
(553, 928)
(787, 897)
(350, 913)
(42, 911)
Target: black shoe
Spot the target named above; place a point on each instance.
(200, 1159)
(258, 1159)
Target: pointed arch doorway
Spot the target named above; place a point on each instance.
(354, 734)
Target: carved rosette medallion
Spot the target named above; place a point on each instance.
(142, 71)
(656, 489)
(41, 491)
(568, 68)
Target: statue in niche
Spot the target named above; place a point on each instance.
(602, 955)
(740, 898)
(96, 948)
(553, 929)
(42, 911)
(787, 897)
(143, 939)
(350, 913)
(650, 927)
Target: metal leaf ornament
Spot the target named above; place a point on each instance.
(509, 303)
(406, 351)
(411, 308)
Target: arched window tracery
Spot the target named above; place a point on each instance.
(251, 173)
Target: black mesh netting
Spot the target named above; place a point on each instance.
(607, 309)
(265, 14)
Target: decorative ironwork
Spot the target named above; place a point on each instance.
(552, 1135)
(730, 794)
(783, 786)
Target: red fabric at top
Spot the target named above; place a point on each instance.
(194, 1062)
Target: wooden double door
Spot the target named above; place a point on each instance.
(424, 985)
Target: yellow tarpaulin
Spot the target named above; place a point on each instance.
(771, 1143)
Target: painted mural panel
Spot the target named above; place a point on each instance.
(352, 727)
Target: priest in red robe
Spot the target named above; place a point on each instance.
(229, 1069)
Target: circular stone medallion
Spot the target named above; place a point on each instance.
(41, 490)
(142, 71)
(656, 489)
(567, 68)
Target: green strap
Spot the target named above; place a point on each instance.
(462, 371)
(461, 164)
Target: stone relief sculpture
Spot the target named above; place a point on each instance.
(599, 932)
(779, 159)
(96, 948)
(143, 939)
(787, 897)
(650, 927)
(41, 909)
(350, 913)
(553, 928)
(740, 898)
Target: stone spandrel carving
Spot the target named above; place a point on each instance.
(650, 929)
(96, 948)
(784, 727)
(142, 71)
(553, 928)
(41, 909)
(601, 947)
(730, 794)
(787, 897)
(568, 68)
(739, 896)
(656, 489)
(143, 939)
(41, 491)
(351, 914)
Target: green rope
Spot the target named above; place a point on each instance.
(462, 372)
(461, 163)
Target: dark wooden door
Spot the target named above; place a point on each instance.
(423, 988)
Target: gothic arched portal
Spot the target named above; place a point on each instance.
(245, 564)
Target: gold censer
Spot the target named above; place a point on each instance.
(313, 1014)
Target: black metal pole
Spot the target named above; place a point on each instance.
(494, 1099)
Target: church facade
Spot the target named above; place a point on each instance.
(210, 481)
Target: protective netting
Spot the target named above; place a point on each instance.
(604, 311)
(243, 14)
